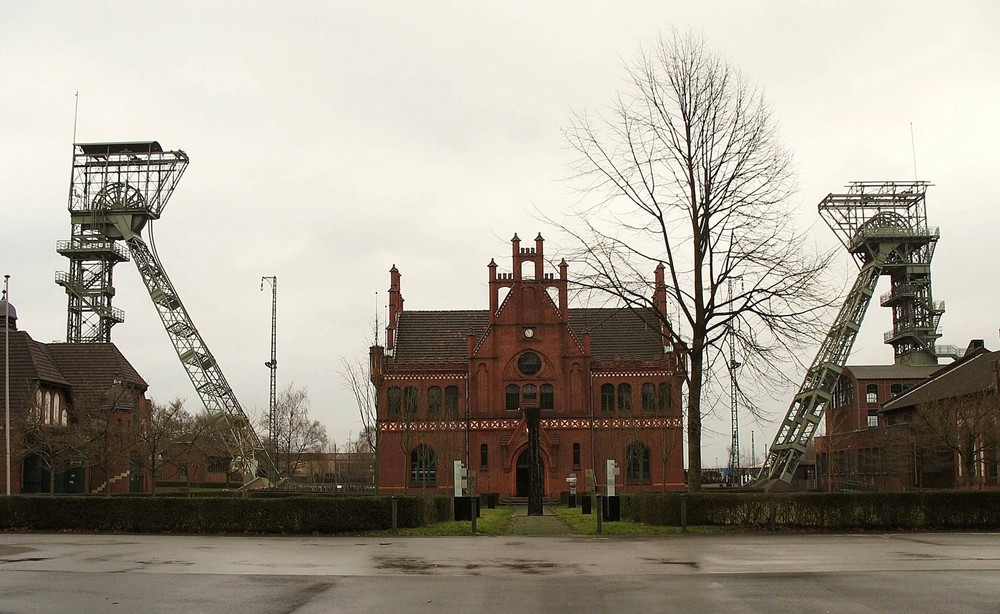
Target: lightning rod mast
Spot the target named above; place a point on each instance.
(272, 419)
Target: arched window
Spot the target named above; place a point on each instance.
(637, 464)
(547, 400)
(648, 398)
(47, 409)
(512, 397)
(484, 456)
(665, 400)
(871, 393)
(624, 397)
(395, 397)
(607, 398)
(896, 389)
(451, 400)
(530, 392)
(433, 399)
(423, 467)
(410, 400)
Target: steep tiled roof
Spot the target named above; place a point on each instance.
(30, 362)
(618, 333)
(94, 365)
(438, 336)
(441, 336)
(966, 376)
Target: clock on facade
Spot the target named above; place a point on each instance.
(529, 333)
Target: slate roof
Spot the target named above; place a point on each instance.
(966, 376)
(77, 367)
(94, 365)
(30, 362)
(441, 336)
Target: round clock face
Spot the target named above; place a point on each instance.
(529, 333)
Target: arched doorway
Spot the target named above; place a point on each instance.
(522, 473)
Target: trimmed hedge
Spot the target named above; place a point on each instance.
(282, 515)
(831, 511)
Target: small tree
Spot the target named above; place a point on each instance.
(162, 437)
(296, 434)
(968, 426)
(687, 172)
(356, 377)
(109, 426)
(55, 443)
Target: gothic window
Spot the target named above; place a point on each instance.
(451, 400)
(529, 363)
(410, 400)
(871, 393)
(648, 398)
(423, 467)
(434, 399)
(395, 396)
(608, 398)
(637, 464)
(547, 400)
(513, 397)
(624, 397)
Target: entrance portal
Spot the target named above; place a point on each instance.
(522, 474)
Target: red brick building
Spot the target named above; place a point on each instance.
(73, 409)
(453, 385)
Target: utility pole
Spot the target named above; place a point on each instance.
(272, 419)
(6, 374)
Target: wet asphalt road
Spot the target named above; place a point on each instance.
(913, 572)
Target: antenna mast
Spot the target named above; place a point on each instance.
(272, 418)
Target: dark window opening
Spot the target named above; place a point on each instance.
(637, 464)
(434, 399)
(423, 467)
(576, 456)
(624, 397)
(513, 397)
(871, 393)
(607, 398)
(395, 401)
(648, 398)
(529, 392)
(451, 399)
(410, 400)
(484, 456)
(547, 400)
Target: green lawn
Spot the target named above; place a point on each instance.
(587, 525)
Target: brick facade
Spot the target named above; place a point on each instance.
(453, 385)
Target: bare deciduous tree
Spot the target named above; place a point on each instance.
(967, 426)
(686, 170)
(296, 434)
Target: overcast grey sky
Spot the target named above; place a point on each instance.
(331, 140)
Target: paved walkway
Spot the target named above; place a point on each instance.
(547, 525)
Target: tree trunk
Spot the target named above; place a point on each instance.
(694, 416)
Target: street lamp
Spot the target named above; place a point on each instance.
(6, 374)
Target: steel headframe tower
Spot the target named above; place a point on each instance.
(116, 189)
(272, 417)
(884, 226)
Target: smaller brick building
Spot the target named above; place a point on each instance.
(73, 408)
(453, 385)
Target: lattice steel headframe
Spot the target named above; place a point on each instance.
(884, 226)
(117, 189)
(137, 178)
